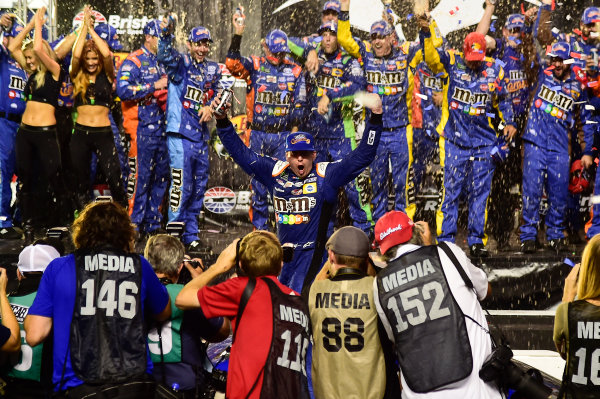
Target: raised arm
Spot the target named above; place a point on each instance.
(40, 47)
(344, 35)
(82, 32)
(15, 45)
(65, 46)
(103, 48)
(239, 66)
(436, 58)
(484, 24)
(542, 29)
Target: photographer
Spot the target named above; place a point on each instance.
(176, 346)
(262, 364)
(574, 332)
(438, 326)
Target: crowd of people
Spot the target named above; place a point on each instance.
(527, 95)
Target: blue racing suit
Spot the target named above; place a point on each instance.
(143, 120)
(192, 84)
(557, 106)
(12, 105)
(274, 104)
(297, 201)
(471, 99)
(392, 78)
(339, 76)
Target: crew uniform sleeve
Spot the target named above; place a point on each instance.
(154, 293)
(253, 164)
(346, 170)
(589, 129)
(298, 108)
(436, 58)
(240, 67)
(170, 58)
(345, 39)
(129, 82)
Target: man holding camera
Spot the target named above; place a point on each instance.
(175, 345)
(270, 322)
(440, 332)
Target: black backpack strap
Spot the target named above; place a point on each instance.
(457, 264)
(243, 302)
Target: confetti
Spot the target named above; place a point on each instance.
(421, 96)
(568, 262)
(590, 107)
(569, 61)
(596, 199)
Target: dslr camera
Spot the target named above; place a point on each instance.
(500, 368)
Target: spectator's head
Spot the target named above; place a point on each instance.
(103, 223)
(588, 284)
(260, 254)
(382, 38)
(589, 25)
(109, 34)
(34, 259)
(393, 230)
(348, 247)
(559, 52)
(276, 46)
(328, 32)
(474, 50)
(331, 11)
(300, 153)
(151, 32)
(165, 253)
(199, 41)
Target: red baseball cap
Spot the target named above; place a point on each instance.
(474, 47)
(394, 228)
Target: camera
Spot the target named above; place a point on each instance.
(215, 384)
(499, 368)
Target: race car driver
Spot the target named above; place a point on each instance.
(193, 80)
(274, 103)
(299, 187)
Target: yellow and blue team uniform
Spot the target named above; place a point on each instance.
(471, 100)
(392, 78)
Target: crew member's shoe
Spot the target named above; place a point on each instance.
(558, 245)
(9, 233)
(528, 246)
(28, 235)
(478, 251)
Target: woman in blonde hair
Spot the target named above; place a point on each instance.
(93, 74)
(577, 326)
(36, 141)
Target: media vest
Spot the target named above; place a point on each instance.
(427, 324)
(107, 340)
(346, 339)
(285, 368)
(580, 379)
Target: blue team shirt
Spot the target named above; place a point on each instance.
(14, 78)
